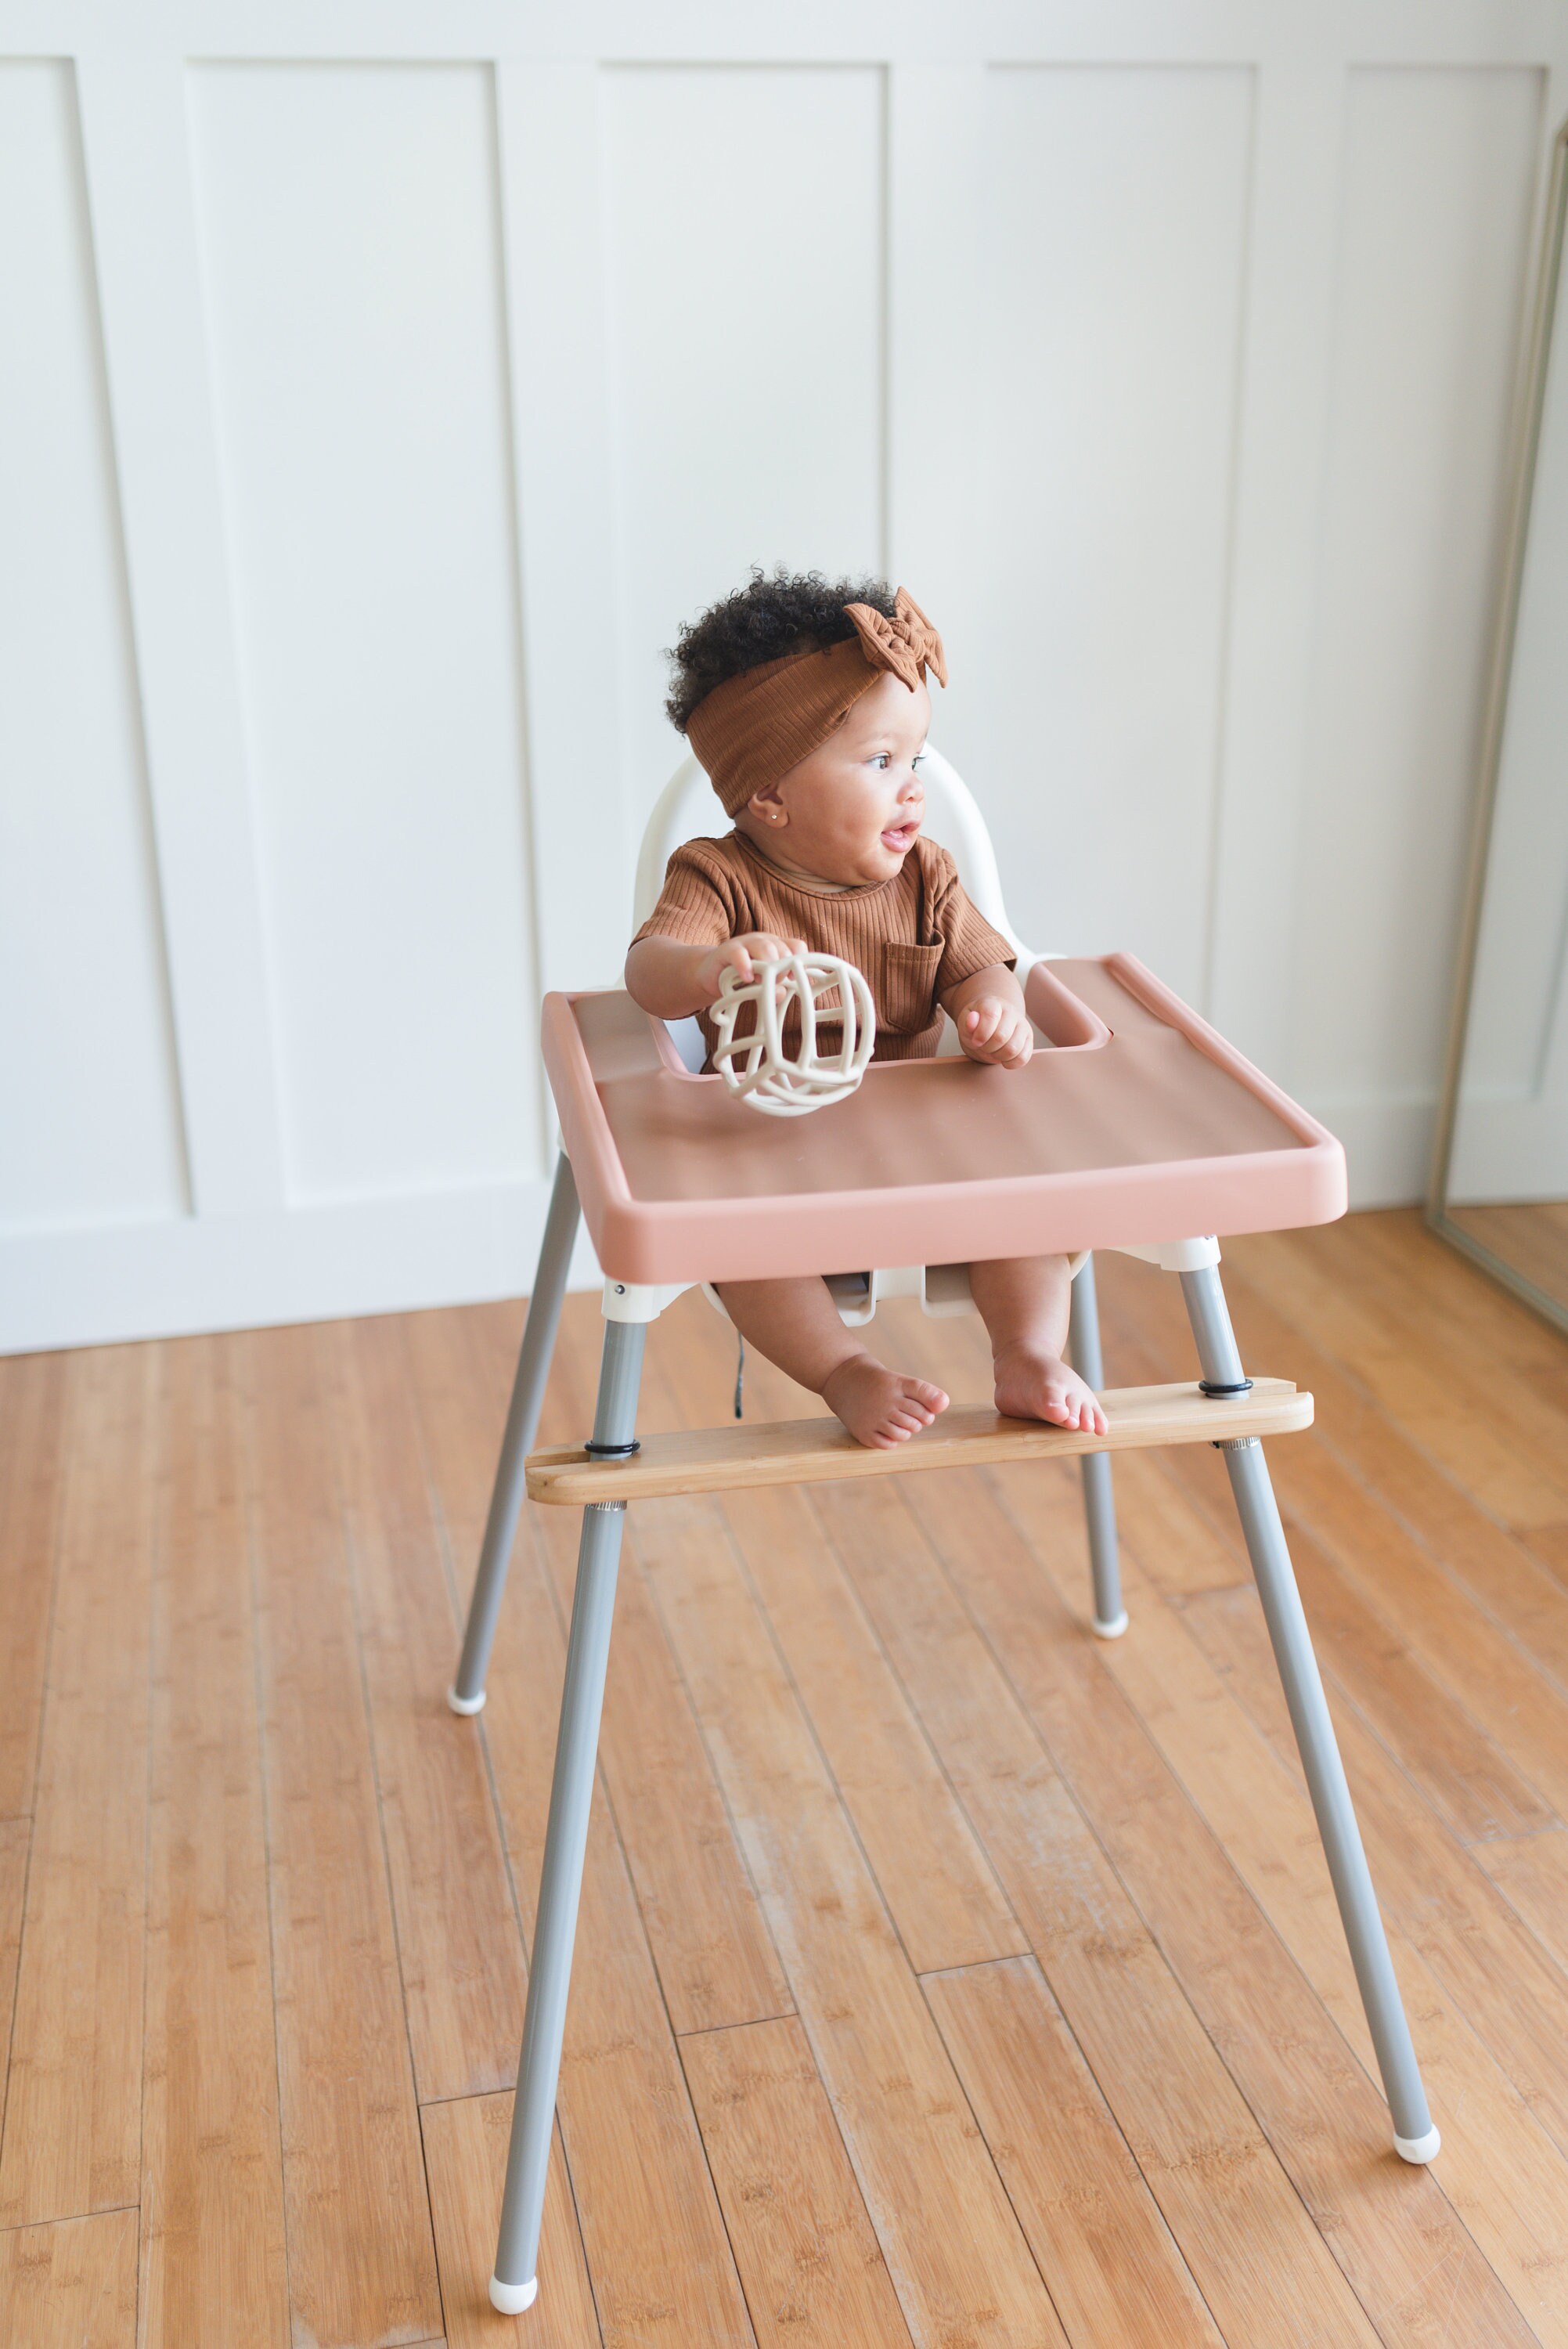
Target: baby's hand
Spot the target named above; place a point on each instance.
(739, 955)
(996, 1032)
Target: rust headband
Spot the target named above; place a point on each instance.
(754, 728)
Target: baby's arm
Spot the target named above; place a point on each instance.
(987, 1010)
(672, 979)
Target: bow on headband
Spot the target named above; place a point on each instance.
(904, 643)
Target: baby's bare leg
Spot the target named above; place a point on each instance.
(1025, 1302)
(795, 1324)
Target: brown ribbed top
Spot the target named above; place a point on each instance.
(912, 937)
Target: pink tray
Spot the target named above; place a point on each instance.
(1140, 1124)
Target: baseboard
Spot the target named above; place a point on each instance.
(107, 1284)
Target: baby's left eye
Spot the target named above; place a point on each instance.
(880, 760)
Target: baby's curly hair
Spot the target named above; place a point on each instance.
(792, 612)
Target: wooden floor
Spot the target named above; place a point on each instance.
(1531, 1237)
(945, 1976)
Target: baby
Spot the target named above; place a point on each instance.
(806, 702)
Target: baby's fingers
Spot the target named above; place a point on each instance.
(1016, 1044)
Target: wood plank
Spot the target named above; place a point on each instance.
(714, 1962)
(1514, 1688)
(1094, 2228)
(465, 2156)
(73, 2115)
(32, 1428)
(1474, 1944)
(362, 2265)
(460, 1364)
(958, 2261)
(1533, 1872)
(1237, 2219)
(814, 1451)
(70, 2284)
(1469, 1712)
(1179, 1545)
(1445, 1407)
(1458, 1298)
(715, 1958)
(1499, 2167)
(1387, 2223)
(1439, 1301)
(459, 1953)
(1549, 1545)
(940, 1889)
(1531, 1239)
(938, 1885)
(1468, 1778)
(1521, 1593)
(212, 2158)
(657, 2250)
(16, 1839)
(813, 2271)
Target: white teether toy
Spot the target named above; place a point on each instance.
(756, 1066)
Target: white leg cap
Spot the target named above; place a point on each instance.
(511, 2298)
(1418, 2149)
(466, 1704)
(1111, 1631)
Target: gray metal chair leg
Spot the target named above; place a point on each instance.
(1415, 2138)
(515, 2282)
(1099, 1495)
(466, 1693)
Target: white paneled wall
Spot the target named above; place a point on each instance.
(90, 1131)
(1439, 190)
(381, 388)
(352, 281)
(1111, 430)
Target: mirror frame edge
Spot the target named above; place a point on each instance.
(1537, 354)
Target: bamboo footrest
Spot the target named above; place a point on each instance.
(818, 1451)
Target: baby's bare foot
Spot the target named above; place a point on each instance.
(880, 1407)
(1033, 1384)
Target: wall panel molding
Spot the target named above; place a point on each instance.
(134, 139)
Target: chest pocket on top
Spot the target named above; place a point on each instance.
(906, 999)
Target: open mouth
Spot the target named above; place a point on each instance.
(899, 836)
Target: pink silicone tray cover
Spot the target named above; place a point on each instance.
(1136, 1123)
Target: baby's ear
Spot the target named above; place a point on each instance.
(766, 807)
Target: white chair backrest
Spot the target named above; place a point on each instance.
(687, 810)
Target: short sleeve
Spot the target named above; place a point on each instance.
(967, 940)
(698, 905)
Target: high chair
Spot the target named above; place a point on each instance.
(1134, 1127)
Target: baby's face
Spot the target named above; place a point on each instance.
(851, 811)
